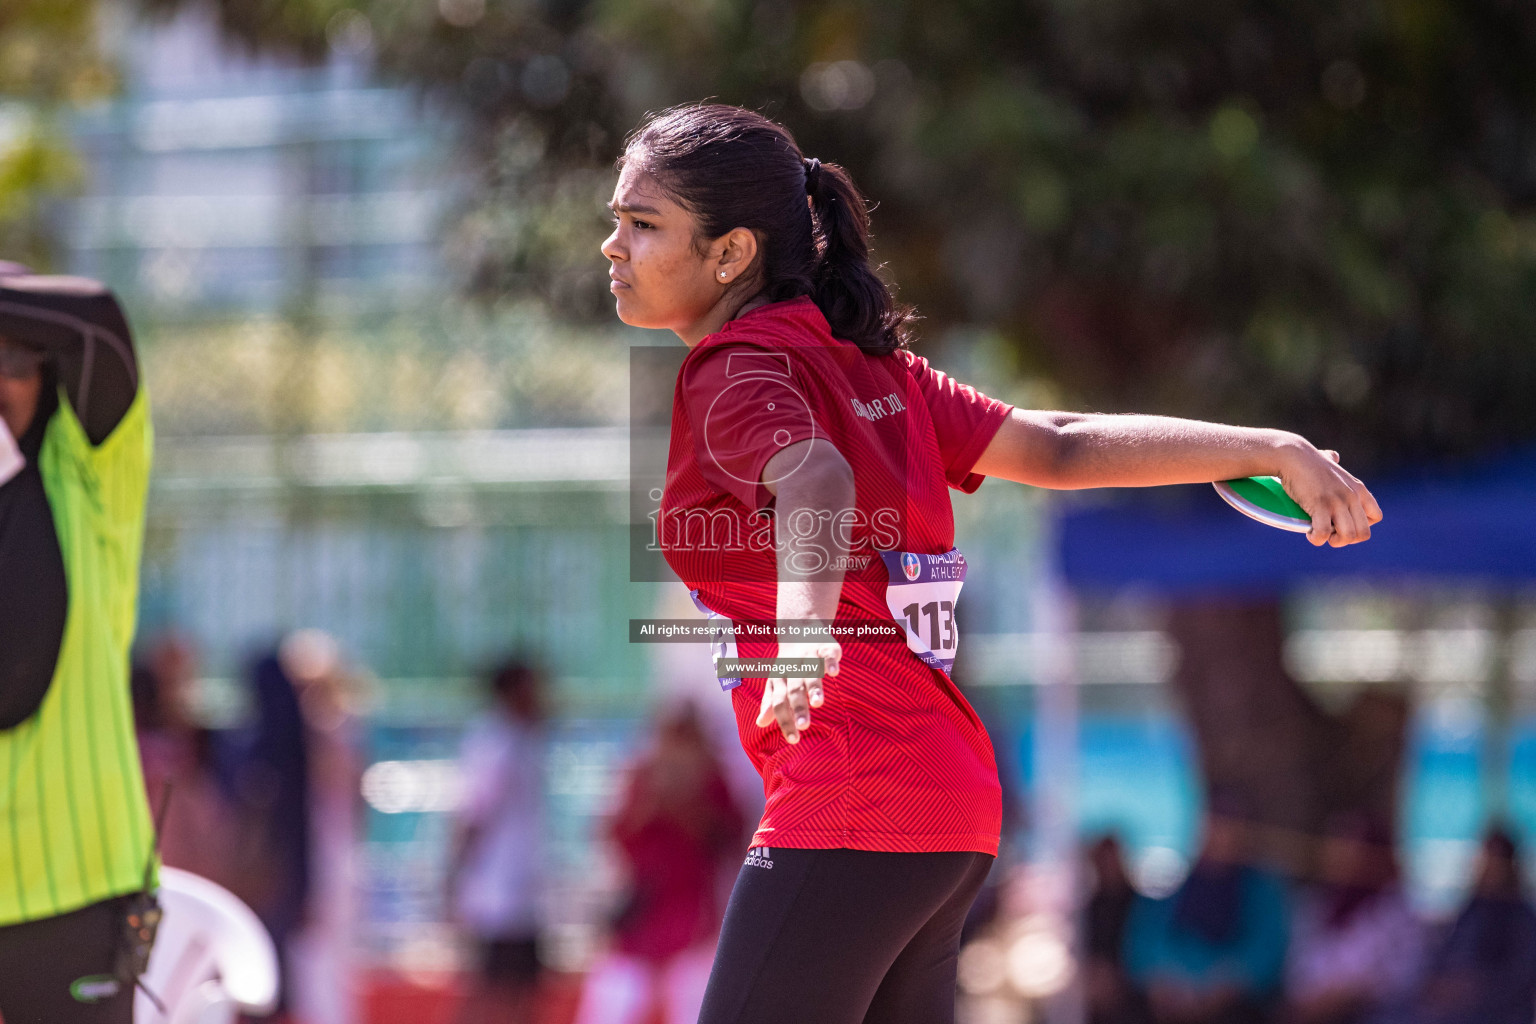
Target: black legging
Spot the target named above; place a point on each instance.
(41, 961)
(842, 937)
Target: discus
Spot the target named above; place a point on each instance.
(1262, 498)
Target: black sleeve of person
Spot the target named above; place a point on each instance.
(33, 596)
(78, 323)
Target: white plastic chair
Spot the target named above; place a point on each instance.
(212, 959)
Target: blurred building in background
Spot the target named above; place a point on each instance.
(226, 185)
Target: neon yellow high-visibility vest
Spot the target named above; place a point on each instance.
(74, 820)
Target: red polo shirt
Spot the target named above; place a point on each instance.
(895, 759)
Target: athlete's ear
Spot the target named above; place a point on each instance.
(738, 253)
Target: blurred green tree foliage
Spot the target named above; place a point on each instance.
(1312, 213)
(49, 60)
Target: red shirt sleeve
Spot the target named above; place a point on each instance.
(745, 407)
(966, 420)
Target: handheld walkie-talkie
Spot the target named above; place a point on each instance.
(141, 920)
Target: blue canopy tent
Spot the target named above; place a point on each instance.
(1474, 525)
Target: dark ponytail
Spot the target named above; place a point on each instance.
(854, 300)
(734, 168)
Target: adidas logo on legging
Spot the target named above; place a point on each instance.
(760, 857)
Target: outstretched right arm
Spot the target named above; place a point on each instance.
(1065, 450)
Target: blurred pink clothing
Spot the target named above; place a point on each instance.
(673, 856)
(673, 826)
(629, 990)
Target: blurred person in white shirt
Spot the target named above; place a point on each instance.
(496, 860)
(320, 958)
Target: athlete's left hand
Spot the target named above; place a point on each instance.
(789, 701)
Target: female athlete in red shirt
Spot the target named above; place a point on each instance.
(807, 483)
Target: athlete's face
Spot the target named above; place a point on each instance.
(662, 275)
(21, 384)
(659, 278)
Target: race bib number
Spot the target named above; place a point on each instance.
(921, 595)
(722, 640)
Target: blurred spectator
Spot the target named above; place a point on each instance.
(271, 781)
(1214, 951)
(1485, 970)
(1356, 946)
(323, 988)
(988, 904)
(1110, 996)
(674, 825)
(495, 864)
(196, 819)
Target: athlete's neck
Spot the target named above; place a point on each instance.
(723, 312)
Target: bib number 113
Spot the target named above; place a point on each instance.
(921, 591)
(940, 616)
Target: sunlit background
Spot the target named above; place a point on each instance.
(359, 248)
